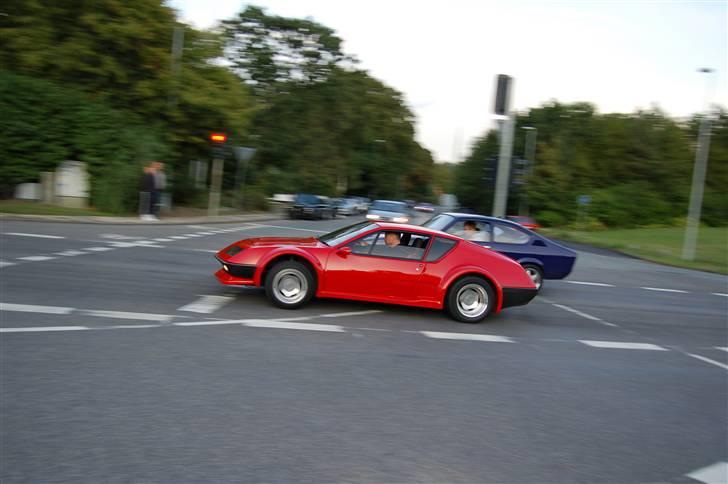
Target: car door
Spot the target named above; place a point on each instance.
(372, 269)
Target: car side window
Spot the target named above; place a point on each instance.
(400, 245)
(439, 248)
(363, 245)
(509, 235)
(474, 230)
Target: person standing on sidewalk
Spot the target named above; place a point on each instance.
(146, 194)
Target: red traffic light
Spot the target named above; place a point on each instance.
(218, 137)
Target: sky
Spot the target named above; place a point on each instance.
(444, 56)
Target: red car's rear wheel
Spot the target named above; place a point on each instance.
(470, 299)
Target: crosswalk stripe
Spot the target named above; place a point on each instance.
(36, 258)
(206, 304)
(32, 308)
(622, 345)
(468, 337)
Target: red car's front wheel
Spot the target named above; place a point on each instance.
(290, 284)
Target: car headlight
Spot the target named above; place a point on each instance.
(400, 220)
(371, 216)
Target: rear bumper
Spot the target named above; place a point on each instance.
(516, 296)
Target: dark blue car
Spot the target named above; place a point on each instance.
(541, 257)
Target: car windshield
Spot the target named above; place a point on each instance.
(306, 198)
(438, 222)
(338, 236)
(388, 206)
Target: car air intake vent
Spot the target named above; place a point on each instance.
(233, 250)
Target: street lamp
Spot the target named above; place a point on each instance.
(529, 154)
(699, 169)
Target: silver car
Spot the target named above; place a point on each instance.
(389, 211)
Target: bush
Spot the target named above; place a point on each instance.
(44, 124)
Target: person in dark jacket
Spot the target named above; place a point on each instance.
(146, 194)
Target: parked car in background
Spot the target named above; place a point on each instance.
(542, 258)
(346, 206)
(362, 203)
(524, 221)
(425, 207)
(379, 262)
(388, 211)
(310, 206)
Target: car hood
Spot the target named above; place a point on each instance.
(278, 241)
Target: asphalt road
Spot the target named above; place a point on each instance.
(123, 360)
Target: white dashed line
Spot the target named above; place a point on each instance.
(100, 249)
(126, 315)
(206, 304)
(209, 323)
(35, 235)
(71, 253)
(660, 289)
(584, 315)
(713, 474)
(36, 258)
(722, 348)
(467, 337)
(263, 323)
(708, 360)
(163, 240)
(719, 294)
(38, 329)
(623, 345)
(355, 313)
(178, 237)
(6, 264)
(30, 308)
(601, 284)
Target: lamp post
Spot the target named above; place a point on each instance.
(529, 154)
(699, 170)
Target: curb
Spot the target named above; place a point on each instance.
(91, 219)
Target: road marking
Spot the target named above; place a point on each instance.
(206, 304)
(622, 345)
(35, 235)
(36, 258)
(38, 329)
(203, 250)
(29, 308)
(71, 253)
(719, 294)
(288, 228)
(584, 315)
(132, 326)
(126, 315)
(660, 289)
(263, 323)
(162, 240)
(708, 360)
(101, 249)
(140, 243)
(722, 348)
(601, 284)
(713, 474)
(467, 337)
(178, 237)
(118, 237)
(205, 233)
(6, 264)
(209, 323)
(353, 313)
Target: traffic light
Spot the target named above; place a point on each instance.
(219, 148)
(502, 94)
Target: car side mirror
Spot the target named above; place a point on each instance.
(344, 251)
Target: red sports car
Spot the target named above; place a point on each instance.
(380, 262)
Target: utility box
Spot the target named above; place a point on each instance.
(72, 184)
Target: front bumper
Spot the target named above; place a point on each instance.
(235, 274)
(515, 296)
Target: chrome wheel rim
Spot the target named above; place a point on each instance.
(290, 286)
(535, 276)
(472, 300)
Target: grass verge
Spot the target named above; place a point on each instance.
(663, 245)
(34, 208)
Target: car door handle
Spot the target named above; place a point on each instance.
(419, 267)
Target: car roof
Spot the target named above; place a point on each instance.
(475, 216)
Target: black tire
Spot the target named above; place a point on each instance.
(470, 299)
(536, 275)
(290, 284)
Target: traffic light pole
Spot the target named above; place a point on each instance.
(213, 206)
(500, 199)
